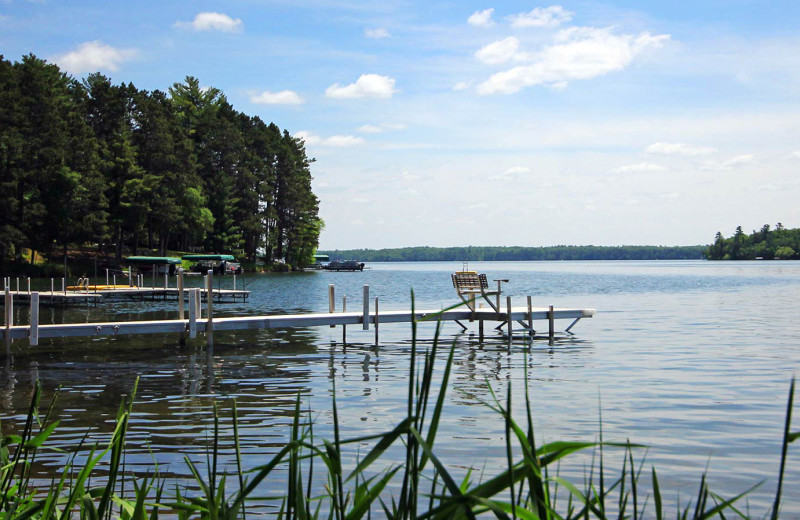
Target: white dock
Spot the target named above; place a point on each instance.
(522, 315)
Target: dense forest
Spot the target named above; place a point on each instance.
(486, 253)
(124, 169)
(769, 244)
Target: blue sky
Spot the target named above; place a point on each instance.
(448, 123)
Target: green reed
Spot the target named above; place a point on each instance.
(419, 486)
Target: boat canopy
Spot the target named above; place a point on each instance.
(321, 258)
(153, 260)
(219, 258)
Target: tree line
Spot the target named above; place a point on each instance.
(127, 169)
(768, 244)
(503, 253)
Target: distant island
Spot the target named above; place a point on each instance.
(766, 244)
(517, 253)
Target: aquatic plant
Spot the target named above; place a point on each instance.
(418, 486)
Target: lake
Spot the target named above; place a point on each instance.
(692, 358)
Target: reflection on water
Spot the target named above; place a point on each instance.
(692, 358)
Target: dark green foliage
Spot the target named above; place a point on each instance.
(107, 164)
(489, 253)
(768, 244)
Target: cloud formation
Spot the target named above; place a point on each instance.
(498, 52)
(94, 56)
(210, 21)
(552, 16)
(642, 167)
(684, 149)
(578, 53)
(377, 129)
(481, 18)
(334, 140)
(730, 164)
(284, 97)
(377, 33)
(367, 86)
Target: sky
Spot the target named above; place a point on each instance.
(455, 123)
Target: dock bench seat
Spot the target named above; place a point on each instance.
(470, 283)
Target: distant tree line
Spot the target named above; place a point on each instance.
(93, 162)
(488, 253)
(770, 244)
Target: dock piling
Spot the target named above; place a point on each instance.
(34, 328)
(344, 327)
(29, 285)
(551, 325)
(376, 321)
(365, 321)
(193, 312)
(210, 308)
(530, 317)
(9, 308)
(510, 321)
(180, 294)
(331, 300)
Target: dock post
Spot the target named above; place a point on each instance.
(234, 284)
(344, 327)
(29, 286)
(9, 312)
(193, 312)
(510, 321)
(552, 325)
(166, 282)
(17, 284)
(34, 329)
(180, 294)
(51, 287)
(331, 301)
(365, 319)
(376, 321)
(115, 281)
(106, 276)
(530, 317)
(210, 308)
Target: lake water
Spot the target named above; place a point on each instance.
(692, 358)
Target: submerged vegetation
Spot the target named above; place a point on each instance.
(399, 476)
(768, 244)
(123, 168)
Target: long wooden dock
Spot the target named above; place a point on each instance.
(133, 293)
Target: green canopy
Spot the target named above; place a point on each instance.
(153, 260)
(197, 258)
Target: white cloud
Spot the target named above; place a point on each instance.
(498, 52)
(481, 18)
(510, 173)
(461, 85)
(211, 21)
(730, 164)
(334, 140)
(518, 169)
(679, 149)
(94, 56)
(795, 155)
(368, 85)
(377, 33)
(370, 129)
(541, 17)
(640, 168)
(579, 53)
(284, 97)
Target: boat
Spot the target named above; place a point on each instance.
(320, 261)
(218, 264)
(346, 265)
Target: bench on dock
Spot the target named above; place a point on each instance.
(468, 284)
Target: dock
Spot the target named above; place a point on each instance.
(523, 318)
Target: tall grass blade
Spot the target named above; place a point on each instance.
(787, 438)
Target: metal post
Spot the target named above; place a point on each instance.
(552, 326)
(210, 308)
(508, 308)
(9, 312)
(34, 329)
(29, 286)
(530, 317)
(376, 321)
(234, 282)
(193, 312)
(106, 276)
(115, 281)
(331, 301)
(154, 277)
(365, 319)
(344, 327)
(51, 286)
(130, 277)
(180, 294)
(166, 280)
